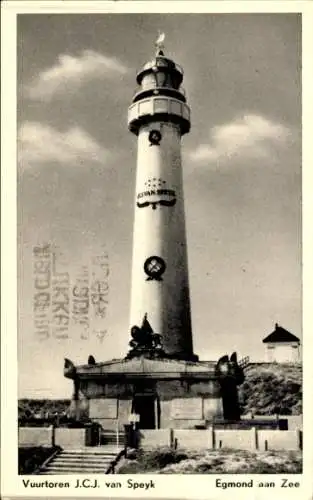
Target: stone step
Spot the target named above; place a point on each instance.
(121, 437)
(62, 472)
(108, 433)
(83, 463)
(104, 443)
(89, 455)
(66, 465)
(111, 439)
(74, 453)
(90, 458)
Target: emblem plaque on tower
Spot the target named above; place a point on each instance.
(156, 193)
(154, 267)
(155, 137)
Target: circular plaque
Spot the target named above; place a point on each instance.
(154, 267)
(155, 137)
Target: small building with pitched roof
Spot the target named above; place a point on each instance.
(282, 346)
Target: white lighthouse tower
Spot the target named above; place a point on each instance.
(156, 384)
(159, 117)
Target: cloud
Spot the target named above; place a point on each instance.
(39, 143)
(70, 73)
(251, 136)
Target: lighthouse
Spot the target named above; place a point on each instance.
(160, 383)
(159, 117)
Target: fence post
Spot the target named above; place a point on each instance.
(300, 439)
(117, 435)
(211, 437)
(52, 435)
(172, 444)
(255, 438)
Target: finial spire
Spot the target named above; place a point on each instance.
(160, 42)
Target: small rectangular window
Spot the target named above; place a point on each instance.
(160, 106)
(176, 108)
(145, 108)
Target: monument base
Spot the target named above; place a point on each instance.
(162, 393)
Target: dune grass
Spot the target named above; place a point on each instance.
(226, 461)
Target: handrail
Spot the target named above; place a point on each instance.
(113, 464)
(244, 362)
(47, 461)
(117, 435)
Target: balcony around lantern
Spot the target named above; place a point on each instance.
(158, 108)
(142, 93)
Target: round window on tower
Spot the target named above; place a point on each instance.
(155, 137)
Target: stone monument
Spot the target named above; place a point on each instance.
(161, 379)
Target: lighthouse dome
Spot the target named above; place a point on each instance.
(160, 72)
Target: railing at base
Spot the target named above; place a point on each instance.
(244, 362)
(113, 464)
(47, 461)
(117, 435)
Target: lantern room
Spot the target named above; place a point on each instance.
(160, 96)
(160, 76)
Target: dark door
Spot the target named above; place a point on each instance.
(144, 406)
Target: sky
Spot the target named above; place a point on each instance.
(241, 167)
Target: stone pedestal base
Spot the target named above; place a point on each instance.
(162, 393)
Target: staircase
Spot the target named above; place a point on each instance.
(108, 437)
(83, 461)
